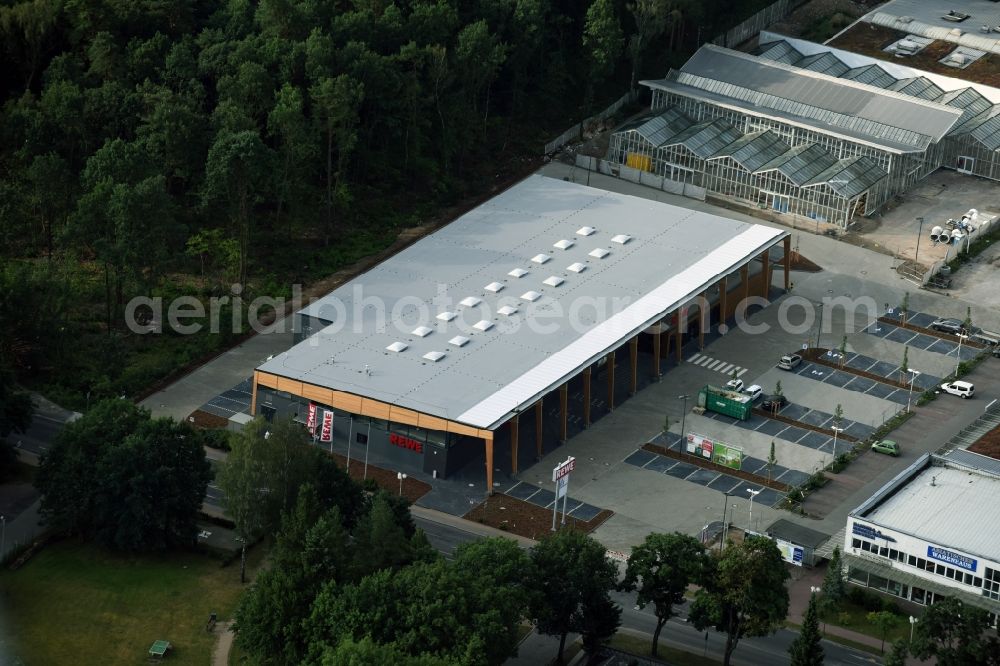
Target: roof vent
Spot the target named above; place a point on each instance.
(554, 281)
(494, 287)
(540, 258)
(483, 325)
(577, 267)
(459, 341)
(585, 231)
(434, 356)
(470, 301)
(621, 239)
(422, 331)
(397, 347)
(518, 273)
(531, 296)
(563, 244)
(507, 310)
(599, 253)
(446, 316)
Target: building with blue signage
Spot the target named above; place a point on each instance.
(931, 532)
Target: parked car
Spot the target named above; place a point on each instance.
(952, 326)
(735, 385)
(984, 338)
(959, 388)
(886, 446)
(790, 361)
(774, 402)
(754, 391)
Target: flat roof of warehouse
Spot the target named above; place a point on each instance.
(615, 265)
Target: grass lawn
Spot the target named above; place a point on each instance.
(854, 617)
(640, 647)
(76, 603)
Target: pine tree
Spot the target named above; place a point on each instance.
(806, 650)
(772, 460)
(834, 588)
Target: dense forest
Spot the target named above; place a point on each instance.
(169, 147)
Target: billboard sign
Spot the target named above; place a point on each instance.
(718, 452)
(952, 558)
(561, 485)
(563, 469)
(869, 532)
(790, 552)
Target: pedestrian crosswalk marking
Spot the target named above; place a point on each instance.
(712, 364)
(716, 365)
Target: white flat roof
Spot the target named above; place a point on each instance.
(672, 256)
(946, 505)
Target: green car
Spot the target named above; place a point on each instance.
(886, 446)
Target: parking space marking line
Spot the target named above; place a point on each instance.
(695, 358)
(740, 373)
(727, 368)
(711, 366)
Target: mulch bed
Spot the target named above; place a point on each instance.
(201, 419)
(413, 489)
(816, 356)
(988, 444)
(525, 519)
(715, 467)
(801, 424)
(930, 331)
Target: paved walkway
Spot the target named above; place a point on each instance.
(220, 655)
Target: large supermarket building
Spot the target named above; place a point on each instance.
(465, 348)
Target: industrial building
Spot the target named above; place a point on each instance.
(443, 356)
(930, 533)
(804, 129)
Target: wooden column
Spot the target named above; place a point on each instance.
(766, 269)
(538, 428)
(633, 355)
(564, 412)
(745, 278)
(586, 397)
(611, 381)
(253, 397)
(489, 465)
(515, 430)
(678, 334)
(787, 259)
(723, 291)
(656, 353)
(704, 313)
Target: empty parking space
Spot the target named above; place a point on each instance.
(919, 340)
(544, 497)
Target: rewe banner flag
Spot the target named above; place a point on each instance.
(326, 434)
(311, 420)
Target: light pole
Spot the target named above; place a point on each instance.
(913, 376)
(753, 493)
(836, 431)
(243, 560)
(819, 331)
(959, 363)
(400, 476)
(722, 535)
(913, 623)
(3, 536)
(814, 590)
(920, 232)
(684, 410)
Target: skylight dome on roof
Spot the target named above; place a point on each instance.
(397, 347)
(577, 267)
(507, 310)
(621, 239)
(598, 253)
(459, 341)
(531, 296)
(434, 356)
(483, 325)
(446, 316)
(563, 244)
(494, 287)
(518, 273)
(540, 258)
(585, 231)
(554, 281)
(470, 301)
(422, 331)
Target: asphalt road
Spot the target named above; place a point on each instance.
(42, 431)
(677, 633)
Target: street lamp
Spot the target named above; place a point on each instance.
(400, 476)
(753, 494)
(243, 560)
(913, 623)
(959, 363)
(3, 536)
(914, 374)
(726, 531)
(920, 231)
(819, 331)
(836, 431)
(684, 410)
(722, 535)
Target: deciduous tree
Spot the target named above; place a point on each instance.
(955, 634)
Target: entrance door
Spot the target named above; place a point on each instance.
(780, 203)
(966, 164)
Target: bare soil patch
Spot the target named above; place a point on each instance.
(525, 519)
(708, 464)
(202, 419)
(988, 444)
(413, 489)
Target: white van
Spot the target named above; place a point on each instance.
(959, 388)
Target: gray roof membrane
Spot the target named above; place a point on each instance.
(659, 128)
(755, 149)
(849, 177)
(706, 138)
(802, 163)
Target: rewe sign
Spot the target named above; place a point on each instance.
(563, 469)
